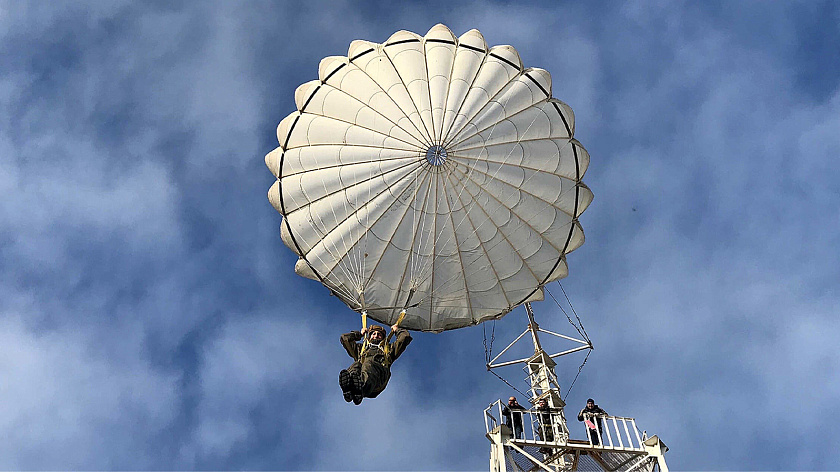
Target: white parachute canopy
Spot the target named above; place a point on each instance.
(432, 172)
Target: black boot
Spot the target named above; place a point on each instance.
(356, 381)
(345, 381)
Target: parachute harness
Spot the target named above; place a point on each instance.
(384, 344)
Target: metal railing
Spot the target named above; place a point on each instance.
(613, 432)
(531, 426)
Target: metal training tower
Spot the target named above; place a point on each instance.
(537, 439)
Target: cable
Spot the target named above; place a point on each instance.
(573, 310)
(580, 329)
(576, 376)
(489, 352)
(509, 384)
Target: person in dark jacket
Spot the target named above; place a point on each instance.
(369, 374)
(513, 416)
(588, 414)
(544, 417)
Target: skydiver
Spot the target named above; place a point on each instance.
(368, 375)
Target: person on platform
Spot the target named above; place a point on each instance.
(592, 414)
(513, 416)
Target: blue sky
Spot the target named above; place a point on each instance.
(150, 317)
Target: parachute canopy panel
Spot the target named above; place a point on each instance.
(432, 168)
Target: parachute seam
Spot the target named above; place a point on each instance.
(508, 89)
(477, 158)
(477, 237)
(413, 206)
(549, 204)
(520, 141)
(506, 61)
(413, 156)
(471, 48)
(416, 269)
(358, 255)
(521, 223)
(490, 99)
(565, 123)
(346, 267)
(460, 257)
(414, 260)
(414, 150)
(437, 178)
(574, 221)
(487, 249)
(311, 97)
(464, 100)
(408, 92)
(493, 99)
(445, 41)
(528, 74)
(504, 236)
(354, 185)
(436, 201)
(448, 89)
(408, 263)
(283, 204)
(414, 224)
(434, 238)
(329, 76)
(350, 255)
(341, 265)
(389, 95)
(402, 41)
(358, 126)
(369, 107)
(362, 282)
(429, 90)
(289, 136)
(348, 271)
(536, 197)
(415, 173)
(361, 54)
(341, 222)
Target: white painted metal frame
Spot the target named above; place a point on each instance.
(534, 328)
(543, 385)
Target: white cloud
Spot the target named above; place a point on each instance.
(63, 391)
(400, 430)
(243, 367)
